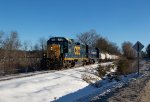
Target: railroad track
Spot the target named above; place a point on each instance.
(21, 75)
(14, 76)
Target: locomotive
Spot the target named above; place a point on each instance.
(62, 52)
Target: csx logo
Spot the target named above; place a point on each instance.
(77, 50)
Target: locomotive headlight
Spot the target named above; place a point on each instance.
(51, 48)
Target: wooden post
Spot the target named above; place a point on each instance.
(138, 47)
(138, 63)
(138, 59)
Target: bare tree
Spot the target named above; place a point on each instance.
(11, 46)
(113, 48)
(43, 43)
(1, 38)
(25, 60)
(1, 44)
(36, 47)
(25, 45)
(103, 44)
(106, 46)
(88, 38)
(128, 51)
(31, 58)
(1, 54)
(12, 42)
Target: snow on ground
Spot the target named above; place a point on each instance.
(107, 87)
(59, 86)
(43, 87)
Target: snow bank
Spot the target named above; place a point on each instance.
(45, 87)
(59, 86)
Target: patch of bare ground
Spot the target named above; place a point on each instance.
(136, 91)
(145, 94)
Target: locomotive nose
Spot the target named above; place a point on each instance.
(51, 48)
(54, 51)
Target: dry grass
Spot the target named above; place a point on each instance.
(125, 66)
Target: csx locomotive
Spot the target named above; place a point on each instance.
(63, 52)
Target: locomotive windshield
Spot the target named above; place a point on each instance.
(63, 42)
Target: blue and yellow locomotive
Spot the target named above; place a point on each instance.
(63, 52)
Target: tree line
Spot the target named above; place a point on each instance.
(93, 39)
(22, 56)
(17, 56)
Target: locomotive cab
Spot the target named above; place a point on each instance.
(56, 48)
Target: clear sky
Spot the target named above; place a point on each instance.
(117, 20)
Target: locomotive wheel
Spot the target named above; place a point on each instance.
(72, 64)
(64, 64)
(48, 64)
(43, 64)
(69, 64)
(93, 61)
(84, 63)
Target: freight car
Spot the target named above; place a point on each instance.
(105, 57)
(63, 52)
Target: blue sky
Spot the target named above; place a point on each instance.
(117, 20)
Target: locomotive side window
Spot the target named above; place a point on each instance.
(53, 39)
(59, 39)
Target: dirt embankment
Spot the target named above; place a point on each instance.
(136, 91)
(145, 94)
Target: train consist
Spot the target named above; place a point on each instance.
(107, 57)
(63, 52)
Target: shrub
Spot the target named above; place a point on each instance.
(124, 66)
(101, 71)
(107, 69)
(113, 66)
(90, 78)
(86, 78)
